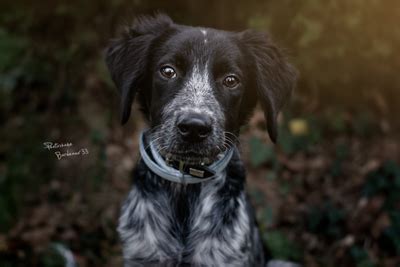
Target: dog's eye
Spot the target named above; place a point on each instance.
(231, 81)
(168, 72)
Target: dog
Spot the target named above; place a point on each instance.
(196, 87)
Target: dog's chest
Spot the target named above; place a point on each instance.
(209, 229)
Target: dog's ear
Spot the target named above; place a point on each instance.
(274, 77)
(127, 57)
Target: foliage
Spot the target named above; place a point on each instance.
(338, 57)
(260, 153)
(326, 221)
(23, 169)
(281, 247)
(361, 257)
(52, 257)
(385, 181)
(292, 140)
(54, 86)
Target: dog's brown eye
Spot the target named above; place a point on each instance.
(231, 81)
(168, 72)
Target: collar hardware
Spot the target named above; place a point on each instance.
(197, 173)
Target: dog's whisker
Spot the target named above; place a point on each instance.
(152, 142)
(226, 146)
(231, 136)
(221, 149)
(227, 139)
(229, 142)
(155, 128)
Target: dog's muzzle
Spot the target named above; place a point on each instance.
(179, 171)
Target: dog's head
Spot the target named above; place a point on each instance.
(197, 86)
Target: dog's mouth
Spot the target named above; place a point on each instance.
(190, 157)
(189, 154)
(205, 153)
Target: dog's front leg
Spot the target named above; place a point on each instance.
(222, 232)
(145, 230)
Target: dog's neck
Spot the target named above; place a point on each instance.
(183, 198)
(184, 201)
(230, 182)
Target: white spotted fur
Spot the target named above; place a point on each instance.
(212, 249)
(147, 242)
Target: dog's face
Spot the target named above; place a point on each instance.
(197, 86)
(198, 83)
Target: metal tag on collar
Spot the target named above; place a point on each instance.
(201, 171)
(196, 172)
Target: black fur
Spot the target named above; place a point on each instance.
(275, 77)
(212, 223)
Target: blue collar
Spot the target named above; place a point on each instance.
(185, 174)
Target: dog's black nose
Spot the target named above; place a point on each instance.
(194, 127)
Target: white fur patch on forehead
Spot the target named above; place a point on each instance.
(198, 87)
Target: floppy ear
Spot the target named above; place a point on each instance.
(275, 78)
(127, 57)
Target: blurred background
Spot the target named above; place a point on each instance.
(328, 194)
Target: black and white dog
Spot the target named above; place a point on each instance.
(196, 87)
